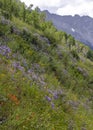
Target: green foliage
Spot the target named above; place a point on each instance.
(70, 41)
(45, 78)
(75, 55)
(24, 13)
(90, 55)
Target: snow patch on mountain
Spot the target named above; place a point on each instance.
(72, 29)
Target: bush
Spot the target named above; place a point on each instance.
(26, 36)
(90, 55)
(75, 55)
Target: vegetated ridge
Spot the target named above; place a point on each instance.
(46, 76)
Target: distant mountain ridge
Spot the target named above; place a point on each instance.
(79, 27)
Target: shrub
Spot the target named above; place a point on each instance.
(90, 55)
(75, 55)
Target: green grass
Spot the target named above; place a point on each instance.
(27, 100)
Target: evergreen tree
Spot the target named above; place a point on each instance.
(24, 13)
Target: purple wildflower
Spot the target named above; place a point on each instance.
(55, 95)
(17, 65)
(50, 91)
(5, 51)
(48, 99)
(52, 105)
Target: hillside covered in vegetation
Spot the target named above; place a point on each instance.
(46, 76)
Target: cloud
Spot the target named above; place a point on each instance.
(42, 3)
(64, 7)
(81, 8)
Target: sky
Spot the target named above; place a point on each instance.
(64, 7)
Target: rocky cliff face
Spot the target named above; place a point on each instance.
(79, 27)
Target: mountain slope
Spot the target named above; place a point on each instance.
(79, 27)
(46, 76)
